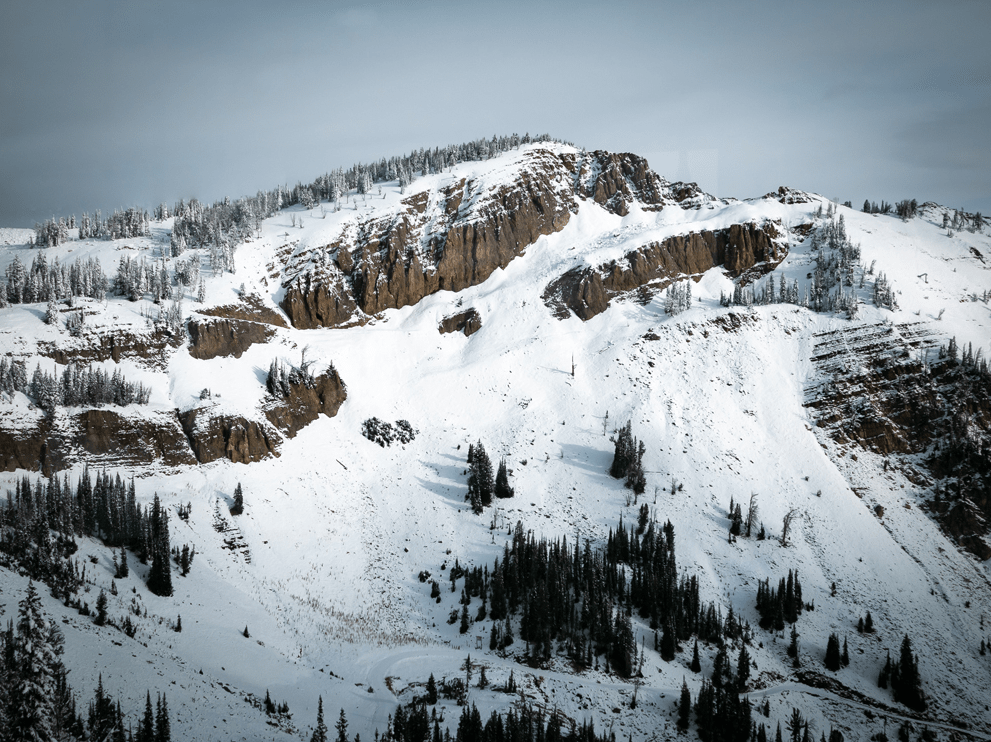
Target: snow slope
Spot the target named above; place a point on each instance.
(336, 529)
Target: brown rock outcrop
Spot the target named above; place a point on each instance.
(251, 309)
(92, 345)
(739, 248)
(25, 448)
(306, 403)
(456, 237)
(105, 435)
(213, 437)
(96, 436)
(211, 338)
(469, 322)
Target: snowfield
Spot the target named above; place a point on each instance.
(336, 529)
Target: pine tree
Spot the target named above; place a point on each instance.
(502, 488)
(696, 664)
(480, 483)
(160, 575)
(845, 658)
(432, 690)
(35, 663)
(684, 706)
(906, 683)
(101, 609)
(885, 674)
(238, 507)
(742, 668)
(320, 733)
(52, 313)
(342, 728)
(624, 452)
(146, 729)
(163, 728)
(669, 642)
(833, 653)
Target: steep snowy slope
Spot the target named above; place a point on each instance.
(325, 560)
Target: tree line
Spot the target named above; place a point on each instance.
(37, 702)
(45, 281)
(105, 508)
(77, 386)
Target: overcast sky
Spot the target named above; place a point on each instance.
(107, 104)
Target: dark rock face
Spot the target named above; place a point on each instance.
(469, 322)
(25, 448)
(213, 437)
(106, 435)
(97, 436)
(153, 346)
(740, 248)
(250, 309)
(112, 437)
(305, 403)
(932, 421)
(456, 237)
(225, 337)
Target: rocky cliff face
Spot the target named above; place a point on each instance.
(118, 437)
(210, 338)
(218, 436)
(456, 237)
(214, 435)
(97, 436)
(741, 247)
(469, 322)
(306, 403)
(153, 346)
(931, 420)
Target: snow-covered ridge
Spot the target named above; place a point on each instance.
(338, 529)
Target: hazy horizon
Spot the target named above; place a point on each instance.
(117, 104)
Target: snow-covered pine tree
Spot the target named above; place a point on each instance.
(35, 661)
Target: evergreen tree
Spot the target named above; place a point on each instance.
(742, 668)
(35, 663)
(146, 729)
(238, 507)
(833, 659)
(52, 313)
(696, 664)
(160, 575)
(624, 452)
(684, 706)
(479, 478)
(101, 609)
(845, 658)
(669, 642)
(906, 682)
(432, 690)
(320, 733)
(342, 728)
(163, 728)
(502, 488)
(885, 674)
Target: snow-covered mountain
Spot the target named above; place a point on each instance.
(783, 346)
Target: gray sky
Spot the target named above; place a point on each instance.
(108, 104)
